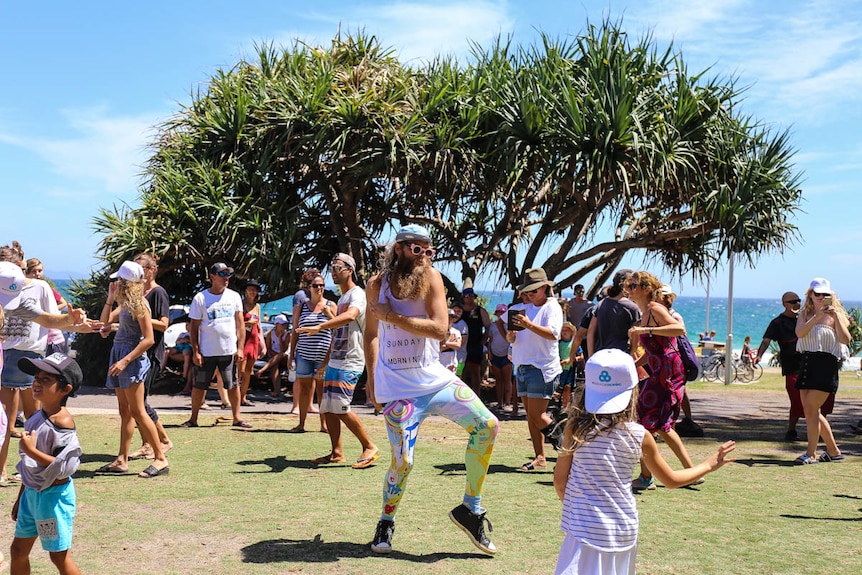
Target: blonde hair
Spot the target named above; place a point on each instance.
(131, 296)
(582, 426)
(808, 305)
(32, 263)
(650, 283)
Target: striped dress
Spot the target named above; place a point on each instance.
(313, 347)
(599, 507)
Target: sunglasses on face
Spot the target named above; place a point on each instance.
(820, 294)
(793, 301)
(318, 285)
(337, 269)
(224, 274)
(419, 250)
(534, 291)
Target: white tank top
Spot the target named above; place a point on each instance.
(408, 365)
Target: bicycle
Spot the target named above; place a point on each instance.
(714, 367)
(747, 371)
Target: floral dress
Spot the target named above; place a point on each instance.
(661, 394)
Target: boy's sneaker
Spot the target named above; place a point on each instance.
(474, 526)
(643, 484)
(383, 536)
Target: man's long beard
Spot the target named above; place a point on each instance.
(409, 280)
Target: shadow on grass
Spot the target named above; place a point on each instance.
(842, 519)
(459, 469)
(773, 462)
(277, 464)
(318, 551)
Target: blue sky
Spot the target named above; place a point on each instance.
(86, 82)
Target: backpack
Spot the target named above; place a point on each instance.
(689, 358)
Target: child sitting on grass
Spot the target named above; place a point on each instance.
(50, 455)
(602, 445)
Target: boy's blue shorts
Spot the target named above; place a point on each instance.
(47, 514)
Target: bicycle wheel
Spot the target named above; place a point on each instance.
(756, 372)
(722, 369)
(709, 369)
(744, 372)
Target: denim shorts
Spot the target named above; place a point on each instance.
(12, 377)
(305, 367)
(531, 382)
(135, 373)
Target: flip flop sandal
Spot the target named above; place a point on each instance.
(296, 430)
(189, 423)
(805, 459)
(151, 472)
(366, 461)
(108, 468)
(826, 458)
(244, 424)
(326, 459)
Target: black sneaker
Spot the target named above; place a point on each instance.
(688, 428)
(474, 526)
(383, 536)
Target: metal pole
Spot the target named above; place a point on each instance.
(728, 345)
(706, 332)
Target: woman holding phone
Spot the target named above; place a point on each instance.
(533, 333)
(822, 327)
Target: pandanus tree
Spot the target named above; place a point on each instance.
(567, 154)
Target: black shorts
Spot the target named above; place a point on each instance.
(818, 370)
(225, 364)
(475, 355)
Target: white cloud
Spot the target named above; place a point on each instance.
(102, 152)
(416, 30)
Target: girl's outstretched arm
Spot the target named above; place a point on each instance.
(678, 478)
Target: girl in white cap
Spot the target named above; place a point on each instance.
(602, 444)
(127, 370)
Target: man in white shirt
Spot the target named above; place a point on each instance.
(346, 362)
(217, 331)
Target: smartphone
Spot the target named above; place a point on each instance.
(511, 326)
(827, 300)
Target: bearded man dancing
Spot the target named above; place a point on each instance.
(407, 319)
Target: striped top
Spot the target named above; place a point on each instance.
(821, 338)
(599, 507)
(313, 347)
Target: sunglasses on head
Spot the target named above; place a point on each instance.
(223, 274)
(419, 250)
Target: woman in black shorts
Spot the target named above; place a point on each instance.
(822, 327)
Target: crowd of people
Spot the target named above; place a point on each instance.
(591, 378)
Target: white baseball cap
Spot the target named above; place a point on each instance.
(11, 283)
(820, 285)
(129, 271)
(610, 378)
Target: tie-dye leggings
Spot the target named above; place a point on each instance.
(456, 402)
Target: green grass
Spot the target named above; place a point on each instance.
(250, 503)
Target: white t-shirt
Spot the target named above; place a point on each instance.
(217, 314)
(461, 352)
(532, 349)
(347, 351)
(21, 332)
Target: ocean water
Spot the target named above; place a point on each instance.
(750, 315)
